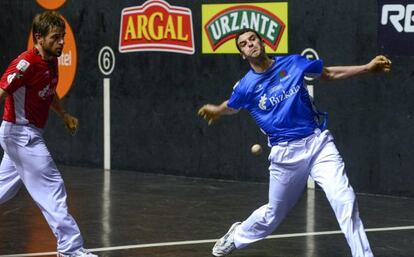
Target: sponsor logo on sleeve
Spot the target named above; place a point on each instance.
(222, 22)
(22, 65)
(156, 26)
(10, 78)
(13, 76)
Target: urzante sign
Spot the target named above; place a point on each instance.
(156, 26)
(221, 22)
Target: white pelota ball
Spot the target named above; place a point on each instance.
(256, 149)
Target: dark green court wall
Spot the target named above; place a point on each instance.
(155, 96)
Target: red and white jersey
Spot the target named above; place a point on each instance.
(30, 83)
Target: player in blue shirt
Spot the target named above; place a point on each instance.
(275, 95)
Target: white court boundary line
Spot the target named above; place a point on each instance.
(193, 242)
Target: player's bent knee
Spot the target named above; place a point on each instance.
(342, 196)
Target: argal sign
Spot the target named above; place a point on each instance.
(156, 26)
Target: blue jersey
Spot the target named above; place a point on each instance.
(278, 98)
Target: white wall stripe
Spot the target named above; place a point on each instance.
(311, 182)
(107, 124)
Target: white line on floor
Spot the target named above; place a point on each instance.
(193, 242)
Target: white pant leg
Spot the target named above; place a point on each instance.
(328, 170)
(26, 148)
(289, 171)
(10, 181)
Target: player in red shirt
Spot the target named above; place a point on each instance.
(28, 87)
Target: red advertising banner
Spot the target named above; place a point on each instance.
(156, 26)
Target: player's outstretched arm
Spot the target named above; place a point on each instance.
(379, 64)
(3, 95)
(70, 121)
(211, 112)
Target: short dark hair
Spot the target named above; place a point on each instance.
(44, 22)
(242, 31)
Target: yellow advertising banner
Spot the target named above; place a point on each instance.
(221, 22)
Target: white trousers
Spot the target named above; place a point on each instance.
(290, 165)
(27, 161)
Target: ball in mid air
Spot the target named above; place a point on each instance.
(256, 149)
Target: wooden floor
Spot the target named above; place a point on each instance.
(131, 214)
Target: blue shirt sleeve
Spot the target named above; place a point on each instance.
(311, 68)
(237, 98)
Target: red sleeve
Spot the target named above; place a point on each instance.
(14, 76)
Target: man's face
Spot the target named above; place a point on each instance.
(250, 45)
(53, 42)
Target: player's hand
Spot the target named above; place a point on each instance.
(71, 123)
(380, 64)
(210, 113)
